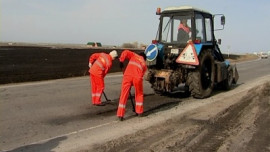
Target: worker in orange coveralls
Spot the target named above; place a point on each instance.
(99, 64)
(133, 76)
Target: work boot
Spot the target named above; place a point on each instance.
(120, 118)
(139, 114)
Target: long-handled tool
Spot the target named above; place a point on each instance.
(107, 100)
(132, 102)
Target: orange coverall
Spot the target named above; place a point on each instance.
(133, 75)
(101, 64)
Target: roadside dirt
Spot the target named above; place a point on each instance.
(230, 124)
(241, 58)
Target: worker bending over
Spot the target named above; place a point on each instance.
(133, 76)
(99, 64)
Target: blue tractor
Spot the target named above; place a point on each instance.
(186, 53)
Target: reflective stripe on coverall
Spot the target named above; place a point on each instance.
(101, 63)
(133, 76)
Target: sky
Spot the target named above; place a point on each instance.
(114, 22)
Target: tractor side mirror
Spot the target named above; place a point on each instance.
(222, 20)
(219, 41)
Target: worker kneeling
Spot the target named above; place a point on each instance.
(133, 76)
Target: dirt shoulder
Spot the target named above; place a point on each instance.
(237, 120)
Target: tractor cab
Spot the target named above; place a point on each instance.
(178, 25)
(182, 25)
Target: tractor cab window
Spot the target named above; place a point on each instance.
(176, 29)
(166, 29)
(199, 21)
(208, 29)
(203, 28)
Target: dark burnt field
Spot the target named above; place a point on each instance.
(35, 63)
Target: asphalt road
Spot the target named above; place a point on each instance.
(39, 116)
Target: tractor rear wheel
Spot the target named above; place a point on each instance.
(201, 81)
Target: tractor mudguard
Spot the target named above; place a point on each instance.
(235, 74)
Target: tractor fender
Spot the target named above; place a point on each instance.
(235, 74)
(199, 47)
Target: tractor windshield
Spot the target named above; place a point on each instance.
(175, 29)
